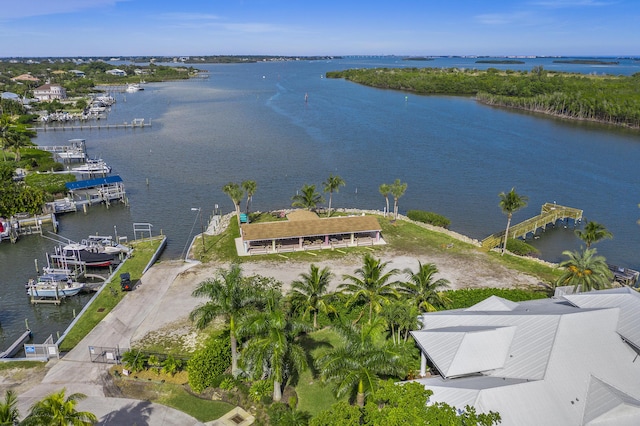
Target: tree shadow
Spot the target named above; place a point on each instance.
(135, 413)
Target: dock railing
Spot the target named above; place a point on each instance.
(550, 213)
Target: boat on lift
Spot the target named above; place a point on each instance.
(55, 285)
(93, 166)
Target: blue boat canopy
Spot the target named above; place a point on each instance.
(92, 183)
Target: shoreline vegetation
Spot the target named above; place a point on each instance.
(608, 99)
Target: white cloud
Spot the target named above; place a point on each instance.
(15, 9)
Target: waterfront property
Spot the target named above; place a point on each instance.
(550, 213)
(565, 360)
(304, 230)
(24, 224)
(48, 92)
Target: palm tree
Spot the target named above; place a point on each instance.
(371, 283)
(9, 413)
(384, 189)
(331, 185)
(585, 270)
(308, 198)
(229, 296)
(397, 189)
(422, 288)
(58, 410)
(249, 187)
(234, 191)
(401, 319)
(272, 347)
(311, 293)
(354, 367)
(593, 232)
(510, 203)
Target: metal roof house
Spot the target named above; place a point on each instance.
(570, 360)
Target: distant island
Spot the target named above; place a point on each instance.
(499, 61)
(605, 99)
(417, 58)
(585, 62)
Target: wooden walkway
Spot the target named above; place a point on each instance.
(549, 215)
(136, 123)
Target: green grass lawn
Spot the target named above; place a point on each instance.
(112, 294)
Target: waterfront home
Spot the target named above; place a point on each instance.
(568, 360)
(26, 77)
(48, 92)
(77, 73)
(117, 72)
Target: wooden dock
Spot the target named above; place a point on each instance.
(550, 213)
(28, 225)
(135, 124)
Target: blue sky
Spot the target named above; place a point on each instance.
(327, 27)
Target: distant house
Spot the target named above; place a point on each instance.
(117, 72)
(141, 71)
(48, 92)
(26, 77)
(569, 360)
(77, 73)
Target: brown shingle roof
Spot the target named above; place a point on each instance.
(309, 228)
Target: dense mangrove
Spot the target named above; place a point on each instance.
(604, 98)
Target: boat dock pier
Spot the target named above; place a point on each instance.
(15, 347)
(19, 225)
(135, 123)
(550, 213)
(84, 193)
(75, 151)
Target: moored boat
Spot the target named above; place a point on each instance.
(53, 285)
(75, 254)
(93, 166)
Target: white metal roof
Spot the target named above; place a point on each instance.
(566, 362)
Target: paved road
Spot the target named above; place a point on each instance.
(77, 373)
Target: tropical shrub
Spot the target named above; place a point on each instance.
(467, 297)
(260, 389)
(428, 217)
(134, 360)
(519, 247)
(209, 362)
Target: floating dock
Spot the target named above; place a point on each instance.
(550, 213)
(15, 347)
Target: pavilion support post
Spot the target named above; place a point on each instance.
(423, 364)
(273, 245)
(300, 242)
(352, 238)
(326, 240)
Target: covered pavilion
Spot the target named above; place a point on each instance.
(304, 230)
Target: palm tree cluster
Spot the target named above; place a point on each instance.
(237, 192)
(267, 329)
(56, 409)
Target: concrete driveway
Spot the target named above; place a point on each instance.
(77, 373)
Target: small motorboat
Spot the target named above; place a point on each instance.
(93, 166)
(76, 254)
(53, 285)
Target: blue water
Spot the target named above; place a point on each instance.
(251, 121)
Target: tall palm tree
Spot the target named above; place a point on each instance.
(235, 192)
(423, 289)
(9, 413)
(397, 189)
(229, 296)
(585, 270)
(58, 409)
(372, 283)
(384, 189)
(331, 185)
(272, 347)
(311, 292)
(354, 366)
(510, 202)
(401, 319)
(593, 232)
(249, 187)
(307, 198)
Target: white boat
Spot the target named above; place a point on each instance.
(53, 285)
(80, 254)
(133, 87)
(104, 244)
(93, 166)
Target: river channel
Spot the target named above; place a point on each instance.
(251, 121)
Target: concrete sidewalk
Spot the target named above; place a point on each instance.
(77, 373)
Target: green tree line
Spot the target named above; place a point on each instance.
(608, 99)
